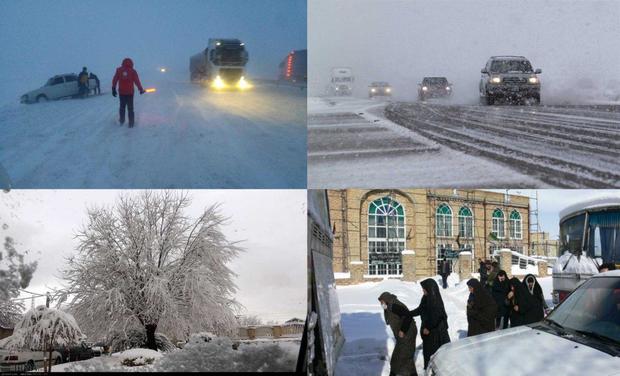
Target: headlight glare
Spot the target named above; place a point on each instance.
(424, 88)
(496, 79)
(533, 80)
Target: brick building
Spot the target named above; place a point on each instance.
(542, 245)
(404, 233)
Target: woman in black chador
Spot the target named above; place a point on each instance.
(434, 329)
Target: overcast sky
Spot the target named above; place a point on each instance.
(575, 43)
(272, 223)
(42, 38)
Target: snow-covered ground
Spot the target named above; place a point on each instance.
(369, 341)
(214, 356)
(185, 137)
(366, 149)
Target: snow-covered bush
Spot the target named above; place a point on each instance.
(14, 274)
(136, 338)
(218, 355)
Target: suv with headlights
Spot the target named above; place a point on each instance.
(509, 77)
(379, 89)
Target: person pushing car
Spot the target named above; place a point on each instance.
(126, 77)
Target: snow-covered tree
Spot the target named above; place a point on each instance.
(44, 329)
(144, 263)
(14, 274)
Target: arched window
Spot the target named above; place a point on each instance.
(498, 224)
(444, 221)
(386, 236)
(515, 225)
(466, 223)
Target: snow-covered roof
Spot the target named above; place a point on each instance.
(597, 202)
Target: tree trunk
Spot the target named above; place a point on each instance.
(150, 336)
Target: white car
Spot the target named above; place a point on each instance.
(57, 87)
(25, 360)
(580, 337)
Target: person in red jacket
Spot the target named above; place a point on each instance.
(126, 77)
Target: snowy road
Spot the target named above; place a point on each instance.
(185, 136)
(352, 144)
(563, 146)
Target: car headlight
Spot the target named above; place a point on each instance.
(388, 90)
(533, 80)
(496, 80)
(373, 90)
(218, 83)
(424, 88)
(337, 89)
(448, 88)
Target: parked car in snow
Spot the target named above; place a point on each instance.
(25, 360)
(81, 351)
(379, 89)
(580, 336)
(432, 87)
(57, 87)
(509, 77)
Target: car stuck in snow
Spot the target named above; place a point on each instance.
(57, 87)
(580, 336)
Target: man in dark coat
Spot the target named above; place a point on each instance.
(481, 311)
(445, 269)
(434, 319)
(97, 89)
(126, 77)
(499, 291)
(403, 327)
(483, 271)
(524, 305)
(533, 287)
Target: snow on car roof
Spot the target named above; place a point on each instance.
(598, 202)
(611, 273)
(509, 57)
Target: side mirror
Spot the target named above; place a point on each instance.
(538, 71)
(484, 70)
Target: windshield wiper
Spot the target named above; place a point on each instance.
(554, 323)
(598, 336)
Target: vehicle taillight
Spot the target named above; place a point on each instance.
(562, 295)
(289, 65)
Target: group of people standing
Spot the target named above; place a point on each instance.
(494, 302)
(83, 83)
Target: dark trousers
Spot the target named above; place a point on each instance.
(83, 90)
(126, 101)
(444, 279)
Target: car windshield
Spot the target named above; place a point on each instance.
(593, 309)
(436, 81)
(505, 66)
(379, 84)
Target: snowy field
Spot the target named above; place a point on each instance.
(352, 144)
(369, 341)
(185, 137)
(215, 356)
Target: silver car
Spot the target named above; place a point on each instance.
(57, 87)
(509, 77)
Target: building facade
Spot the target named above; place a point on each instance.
(405, 233)
(542, 245)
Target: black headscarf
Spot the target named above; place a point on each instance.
(433, 297)
(482, 297)
(537, 290)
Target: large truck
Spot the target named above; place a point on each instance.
(294, 67)
(221, 65)
(589, 237)
(341, 82)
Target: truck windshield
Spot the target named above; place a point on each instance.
(230, 54)
(505, 66)
(571, 234)
(435, 81)
(602, 235)
(593, 309)
(341, 79)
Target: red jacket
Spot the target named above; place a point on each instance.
(126, 77)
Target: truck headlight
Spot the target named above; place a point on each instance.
(388, 90)
(218, 83)
(373, 90)
(424, 88)
(533, 80)
(448, 88)
(243, 84)
(496, 80)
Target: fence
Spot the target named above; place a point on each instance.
(289, 330)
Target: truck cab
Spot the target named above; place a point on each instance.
(341, 83)
(221, 65)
